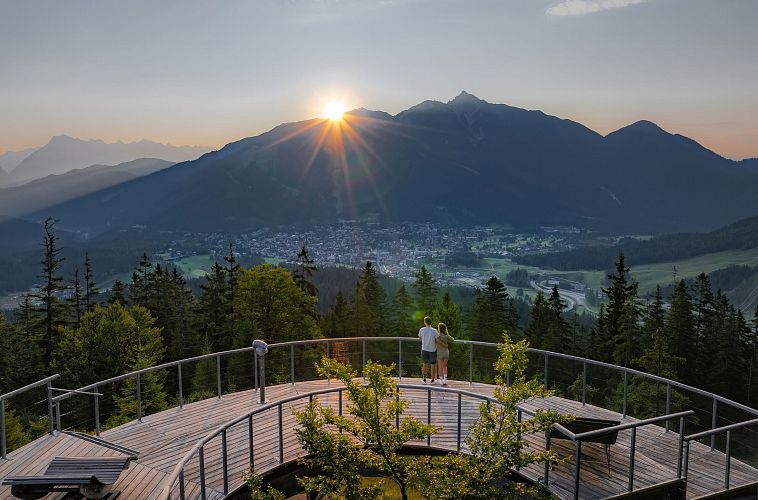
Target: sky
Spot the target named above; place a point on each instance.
(202, 72)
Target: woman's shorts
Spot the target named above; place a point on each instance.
(443, 354)
(428, 357)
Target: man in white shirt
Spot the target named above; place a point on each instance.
(428, 336)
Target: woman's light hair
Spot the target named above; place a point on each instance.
(441, 326)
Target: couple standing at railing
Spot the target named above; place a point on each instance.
(435, 350)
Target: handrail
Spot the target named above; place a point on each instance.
(45, 381)
(178, 470)
(583, 436)
(25, 388)
(721, 430)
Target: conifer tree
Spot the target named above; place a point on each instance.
(703, 302)
(681, 329)
(52, 285)
(303, 273)
(337, 323)
(215, 310)
(616, 313)
(425, 287)
(751, 346)
(558, 335)
(90, 287)
(402, 320)
(539, 322)
(22, 354)
(76, 301)
(118, 293)
(493, 313)
(629, 342)
(370, 304)
(448, 312)
(233, 270)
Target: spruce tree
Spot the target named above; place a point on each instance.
(233, 270)
(370, 304)
(337, 323)
(425, 287)
(751, 346)
(118, 293)
(75, 302)
(403, 322)
(493, 313)
(558, 336)
(215, 310)
(616, 314)
(303, 273)
(51, 306)
(448, 312)
(704, 310)
(90, 287)
(539, 322)
(681, 330)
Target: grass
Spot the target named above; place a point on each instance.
(194, 267)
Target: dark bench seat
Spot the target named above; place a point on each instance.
(92, 477)
(587, 424)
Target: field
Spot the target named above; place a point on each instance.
(194, 267)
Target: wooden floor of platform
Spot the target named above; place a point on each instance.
(164, 438)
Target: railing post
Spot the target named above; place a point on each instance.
(626, 391)
(471, 364)
(363, 368)
(58, 415)
(250, 436)
(400, 359)
(339, 402)
(429, 413)
(631, 459)
(255, 369)
(508, 378)
(181, 392)
(681, 448)
(668, 403)
(97, 412)
(224, 462)
(584, 384)
(292, 363)
(201, 460)
(547, 356)
(281, 436)
(218, 376)
(261, 349)
(181, 485)
(458, 448)
(577, 468)
(686, 466)
(50, 428)
(714, 419)
(728, 459)
(139, 398)
(3, 438)
(547, 448)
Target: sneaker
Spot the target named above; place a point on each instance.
(444, 381)
(423, 381)
(434, 381)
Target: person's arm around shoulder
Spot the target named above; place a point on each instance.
(450, 339)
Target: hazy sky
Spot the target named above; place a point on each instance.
(209, 72)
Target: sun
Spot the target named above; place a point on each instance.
(334, 110)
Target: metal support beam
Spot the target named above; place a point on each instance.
(458, 448)
(668, 403)
(626, 391)
(139, 398)
(97, 413)
(584, 384)
(728, 459)
(224, 462)
(714, 421)
(179, 380)
(50, 428)
(201, 460)
(632, 447)
(577, 468)
(218, 376)
(471, 364)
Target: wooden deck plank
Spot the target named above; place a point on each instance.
(164, 438)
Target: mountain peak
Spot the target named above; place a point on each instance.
(464, 98)
(644, 126)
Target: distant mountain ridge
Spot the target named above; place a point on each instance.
(742, 235)
(10, 159)
(63, 153)
(54, 189)
(466, 161)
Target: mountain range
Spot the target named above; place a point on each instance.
(465, 161)
(55, 189)
(63, 153)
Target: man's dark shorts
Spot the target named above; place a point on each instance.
(428, 357)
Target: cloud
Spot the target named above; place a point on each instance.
(578, 7)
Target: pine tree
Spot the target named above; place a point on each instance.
(90, 287)
(303, 273)
(215, 310)
(539, 322)
(370, 304)
(558, 335)
(629, 343)
(403, 322)
(493, 313)
(337, 323)
(681, 330)
(703, 302)
(233, 270)
(48, 295)
(118, 293)
(448, 312)
(425, 287)
(22, 354)
(139, 288)
(76, 301)
(655, 315)
(751, 346)
(616, 313)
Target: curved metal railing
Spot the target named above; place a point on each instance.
(177, 479)
(721, 408)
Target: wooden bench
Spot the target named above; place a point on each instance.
(92, 477)
(587, 424)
